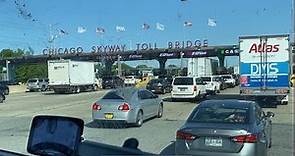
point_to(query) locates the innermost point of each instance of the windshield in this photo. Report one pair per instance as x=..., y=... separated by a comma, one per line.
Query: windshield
x=216, y=79
x=220, y=115
x=138, y=68
x=32, y=81
x=183, y=81
x=156, y=81
x=207, y=79
x=227, y=77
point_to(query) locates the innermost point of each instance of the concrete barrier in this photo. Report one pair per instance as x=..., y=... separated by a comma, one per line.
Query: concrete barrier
x=17, y=89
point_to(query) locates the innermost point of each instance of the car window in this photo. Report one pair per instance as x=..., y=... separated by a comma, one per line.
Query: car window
x=32, y=81
x=141, y=94
x=220, y=115
x=183, y=81
x=258, y=114
x=148, y=94
x=199, y=81
x=227, y=77
x=216, y=78
x=112, y=95
x=207, y=79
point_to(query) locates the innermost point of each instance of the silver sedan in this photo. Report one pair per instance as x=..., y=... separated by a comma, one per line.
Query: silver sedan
x=225, y=128
x=127, y=105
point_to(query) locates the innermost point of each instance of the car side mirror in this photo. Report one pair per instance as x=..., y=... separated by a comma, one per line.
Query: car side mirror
x=270, y=114
x=155, y=96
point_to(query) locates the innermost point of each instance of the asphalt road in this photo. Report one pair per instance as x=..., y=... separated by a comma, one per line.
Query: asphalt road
x=156, y=135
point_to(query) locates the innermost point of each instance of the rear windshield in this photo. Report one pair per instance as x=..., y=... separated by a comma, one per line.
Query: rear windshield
x=112, y=95
x=30, y=81
x=183, y=81
x=220, y=115
x=216, y=79
x=226, y=77
x=107, y=78
x=156, y=81
x=206, y=78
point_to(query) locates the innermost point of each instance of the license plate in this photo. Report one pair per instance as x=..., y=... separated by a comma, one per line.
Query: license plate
x=182, y=89
x=216, y=142
x=109, y=115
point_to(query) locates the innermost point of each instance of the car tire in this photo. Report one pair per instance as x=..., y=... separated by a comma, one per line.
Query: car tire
x=173, y=100
x=139, y=119
x=6, y=91
x=2, y=98
x=78, y=90
x=43, y=88
x=160, y=111
x=270, y=143
x=95, y=88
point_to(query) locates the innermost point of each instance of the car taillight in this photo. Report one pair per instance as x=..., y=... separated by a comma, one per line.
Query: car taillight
x=251, y=138
x=124, y=107
x=185, y=136
x=195, y=88
x=96, y=106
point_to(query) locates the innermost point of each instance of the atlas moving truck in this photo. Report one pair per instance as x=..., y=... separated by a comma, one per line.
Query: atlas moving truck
x=71, y=76
x=265, y=68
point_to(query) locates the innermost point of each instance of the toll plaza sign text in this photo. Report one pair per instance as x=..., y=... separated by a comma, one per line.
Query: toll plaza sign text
x=122, y=48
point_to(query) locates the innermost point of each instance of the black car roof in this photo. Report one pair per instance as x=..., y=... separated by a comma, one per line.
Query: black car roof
x=229, y=103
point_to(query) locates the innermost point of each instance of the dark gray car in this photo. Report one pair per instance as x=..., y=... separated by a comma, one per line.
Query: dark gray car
x=225, y=128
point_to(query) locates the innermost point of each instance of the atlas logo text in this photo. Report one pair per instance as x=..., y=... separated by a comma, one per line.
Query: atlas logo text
x=261, y=48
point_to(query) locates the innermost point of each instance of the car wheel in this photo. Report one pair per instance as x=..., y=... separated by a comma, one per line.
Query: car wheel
x=139, y=119
x=6, y=91
x=95, y=88
x=43, y=88
x=160, y=111
x=78, y=90
x=270, y=143
x=215, y=91
x=2, y=98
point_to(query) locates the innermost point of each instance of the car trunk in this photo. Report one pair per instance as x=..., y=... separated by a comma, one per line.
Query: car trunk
x=184, y=89
x=110, y=105
x=215, y=137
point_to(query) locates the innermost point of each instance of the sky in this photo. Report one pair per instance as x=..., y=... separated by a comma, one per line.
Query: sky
x=233, y=18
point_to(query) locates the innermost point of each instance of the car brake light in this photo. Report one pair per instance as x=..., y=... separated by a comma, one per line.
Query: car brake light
x=124, y=107
x=185, y=136
x=195, y=88
x=96, y=106
x=251, y=138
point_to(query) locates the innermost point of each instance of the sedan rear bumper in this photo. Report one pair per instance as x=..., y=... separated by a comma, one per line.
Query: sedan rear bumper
x=128, y=117
x=248, y=149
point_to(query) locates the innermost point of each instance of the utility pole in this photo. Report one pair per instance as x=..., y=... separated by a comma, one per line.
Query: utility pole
x=7, y=70
x=119, y=66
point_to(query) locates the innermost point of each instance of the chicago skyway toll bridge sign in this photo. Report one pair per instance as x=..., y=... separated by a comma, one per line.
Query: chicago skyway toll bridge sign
x=143, y=51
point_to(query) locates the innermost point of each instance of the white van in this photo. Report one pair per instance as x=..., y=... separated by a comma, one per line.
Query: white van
x=188, y=88
x=213, y=85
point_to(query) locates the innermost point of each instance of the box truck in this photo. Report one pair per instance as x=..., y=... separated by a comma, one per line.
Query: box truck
x=71, y=76
x=265, y=67
x=201, y=67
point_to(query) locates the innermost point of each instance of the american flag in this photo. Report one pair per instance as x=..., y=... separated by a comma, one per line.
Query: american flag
x=188, y=24
x=100, y=30
x=145, y=26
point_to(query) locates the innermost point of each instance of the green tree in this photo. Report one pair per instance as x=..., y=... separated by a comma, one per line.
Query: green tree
x=25, y=71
